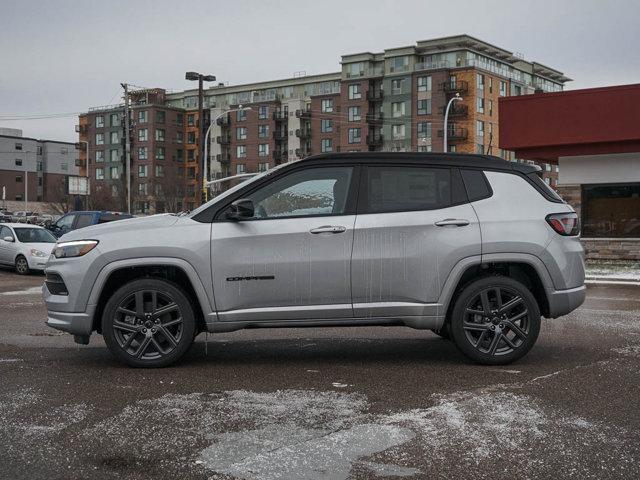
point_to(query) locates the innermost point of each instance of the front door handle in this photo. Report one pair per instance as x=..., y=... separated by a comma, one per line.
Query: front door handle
x=328, y=229
x=452, y=222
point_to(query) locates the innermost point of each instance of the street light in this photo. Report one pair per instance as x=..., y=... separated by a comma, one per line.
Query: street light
x=200, y=78
x=205, y=176
x=446, y=120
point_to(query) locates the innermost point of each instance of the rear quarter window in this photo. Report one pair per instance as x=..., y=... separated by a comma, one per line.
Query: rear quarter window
x=546, y=191
x=476, y=184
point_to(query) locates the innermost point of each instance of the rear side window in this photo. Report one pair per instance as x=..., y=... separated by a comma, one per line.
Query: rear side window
x=400, y=188
x=476, y=184
x=84, y=220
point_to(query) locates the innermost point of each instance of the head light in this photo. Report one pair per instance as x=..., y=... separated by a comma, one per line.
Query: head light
x=37, y=253
x=76, y=248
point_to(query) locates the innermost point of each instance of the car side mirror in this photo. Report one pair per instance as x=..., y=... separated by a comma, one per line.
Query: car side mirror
x=8, y=239
x=240, y=210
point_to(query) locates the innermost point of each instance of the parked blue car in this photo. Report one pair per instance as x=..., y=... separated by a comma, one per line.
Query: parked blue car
x=80, y=219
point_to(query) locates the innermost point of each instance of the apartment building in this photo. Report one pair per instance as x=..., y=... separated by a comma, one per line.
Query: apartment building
x=393, y=100
x=33, y=169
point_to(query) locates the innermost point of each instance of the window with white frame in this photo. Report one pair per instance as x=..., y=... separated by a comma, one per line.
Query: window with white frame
x=142, y=189
x=355, y=91
x=326, y=145
x=263, y=112
x=424, y=84
x=115, y=119
x=479, y=128
x=480, y=81
x=100, y=156
x=263, y=149
x=424, y=129
x=241, y=151
x=159, y=171
x=263, y=166
x=241, y=133
x=142, y=135
x=398, y=132
x=99, y=173
x=355, y=135
x=114, y=138
x=159, y=153
x=114, y=155
x=326, y=105
x=326, y=125
x=241, y=115
x=99, y=121
x=142, y=116
x=99, y=138
x=480, y=105
x=241, y=168
x=142, y=153
x=355, y=114
x=114, y=173
x=263, y=131
x=142, y=171
x=503, y=88
x=424, y=148
x=398, y=109
x=159, y=135
x=397, y=86
x=424, y=106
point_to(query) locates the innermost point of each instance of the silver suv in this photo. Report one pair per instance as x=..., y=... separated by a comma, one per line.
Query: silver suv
x=472, y=247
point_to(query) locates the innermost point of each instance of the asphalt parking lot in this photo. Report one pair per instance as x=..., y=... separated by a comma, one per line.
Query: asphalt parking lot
x=323, y=403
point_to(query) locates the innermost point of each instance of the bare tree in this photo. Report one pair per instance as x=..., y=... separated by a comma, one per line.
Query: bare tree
x=61, y=201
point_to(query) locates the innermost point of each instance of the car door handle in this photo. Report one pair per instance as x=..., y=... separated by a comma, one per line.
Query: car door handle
x=452, y=222
x=328, y=229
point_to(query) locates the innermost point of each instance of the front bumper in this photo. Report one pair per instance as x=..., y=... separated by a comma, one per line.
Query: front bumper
x=75, y=323
x=562, y=302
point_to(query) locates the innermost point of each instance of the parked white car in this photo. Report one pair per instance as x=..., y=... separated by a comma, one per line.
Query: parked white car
x=26, y=247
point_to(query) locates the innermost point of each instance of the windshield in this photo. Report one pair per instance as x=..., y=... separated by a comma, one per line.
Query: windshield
x=34, y=235
x=235, y=188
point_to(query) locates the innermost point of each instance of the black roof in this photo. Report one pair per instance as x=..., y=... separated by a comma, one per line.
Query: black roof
x=430, y=158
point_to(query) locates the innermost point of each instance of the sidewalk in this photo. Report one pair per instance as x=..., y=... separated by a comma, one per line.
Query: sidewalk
x=623, y=273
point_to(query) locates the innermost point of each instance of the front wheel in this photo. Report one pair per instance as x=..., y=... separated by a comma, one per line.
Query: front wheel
x=495, y=321
x=148, y=323
x=22, y=266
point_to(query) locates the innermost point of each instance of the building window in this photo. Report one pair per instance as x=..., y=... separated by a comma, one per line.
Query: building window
x=424, y=107
x=424, y=84
x=100, y=156
x=179, y=137
x=99, y=173
x=241, y=151
x=99, y=121
x=114, y=138
x=115, y=173
x=398, y=109
x=355, y=93
x=191, y=120
x=180, y=119
x=18, y=162
x=503, y=88
x=263, y=112
x=480, y=81
x=424, y=148
x=99, y=139
x=517, y=90
x=19, y=179
x=159, y=135
x=355, y=135
x=142, y=171
x=479, y=128
x=159, y=171
x=191, y=138
x=326, y=125
x=113, y=156
x=142, y=116
x=191, y=173
x=18, y=145
x=263, y=167
x=191, y=155
x=114, y=119
x=479, y=148
x=142, y=153
x=326, y=145
x=397, y=86
x=160, y=116
x=240, y=168
x=142, y=189
x=263, y=150
x=399, y=64
x=159, y=153
x=326, y=105
x=142, y=135
x=241, y=115
x=355, y=114
x=241, y=133
x=490, y=107
x=424, y=129
x=490, y=85
x=39, y=150
x=179, y=155
x=398, y=132
x=480, y=105
x=263, y=131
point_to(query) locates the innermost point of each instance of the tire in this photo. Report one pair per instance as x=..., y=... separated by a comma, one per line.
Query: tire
x=443, y=332
x=494, y=329
x=148, y=323
x=22, y=266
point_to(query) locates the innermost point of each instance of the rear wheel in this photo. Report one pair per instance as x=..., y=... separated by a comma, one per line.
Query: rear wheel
x=495, y=321
x=22, y=266
x=148, y=323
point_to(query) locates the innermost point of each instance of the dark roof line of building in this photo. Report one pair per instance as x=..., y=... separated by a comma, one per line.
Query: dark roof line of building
x=41, y=140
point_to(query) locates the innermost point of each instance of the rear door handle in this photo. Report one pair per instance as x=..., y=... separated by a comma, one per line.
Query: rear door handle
x=452, y=222
x=328, y=229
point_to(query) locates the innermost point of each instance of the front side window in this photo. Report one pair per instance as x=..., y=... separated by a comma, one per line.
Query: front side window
x=33, y=235
x=397, y=189
x=314, y=191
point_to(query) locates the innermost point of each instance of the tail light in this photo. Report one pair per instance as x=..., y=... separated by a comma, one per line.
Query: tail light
x=566, y=224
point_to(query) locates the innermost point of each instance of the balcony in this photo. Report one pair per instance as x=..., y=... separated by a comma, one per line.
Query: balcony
x=224, y=140
x=374, y=118
x=279, y=156
x=303, y=133
x=223, y=158
x=280, y=116
x=374, y=95
x=279, y=136
x=454, y=133
x=374, y=139
x=456, y=111
x=223, y=121
x=306, y=113
x=459, y=86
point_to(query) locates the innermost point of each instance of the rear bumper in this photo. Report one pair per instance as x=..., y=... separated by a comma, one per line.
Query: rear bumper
x=562, y=302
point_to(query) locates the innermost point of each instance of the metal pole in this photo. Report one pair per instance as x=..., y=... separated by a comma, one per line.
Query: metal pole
x=446, y=121
x=26, y=183
x=127, y=146
x=201, y=143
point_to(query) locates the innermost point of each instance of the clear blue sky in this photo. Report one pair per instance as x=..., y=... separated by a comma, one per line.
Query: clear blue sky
x=64, y=56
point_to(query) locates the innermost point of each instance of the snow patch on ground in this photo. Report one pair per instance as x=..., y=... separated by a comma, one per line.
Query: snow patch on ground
x=613, y=271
